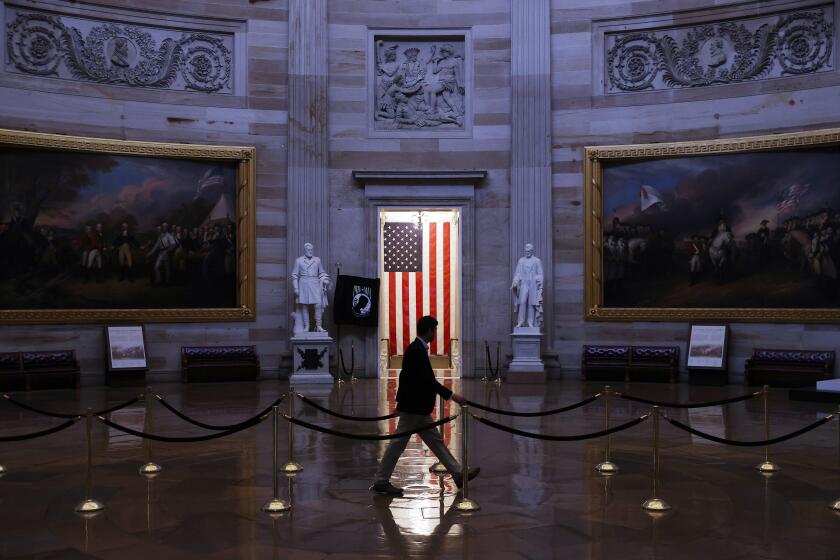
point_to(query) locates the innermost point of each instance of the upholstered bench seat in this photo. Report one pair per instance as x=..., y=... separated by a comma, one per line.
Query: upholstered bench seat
x=50, y=369
x=605, y=363
x=11, y=375
x=789, y=368
x=653, y=363
x=219, y=363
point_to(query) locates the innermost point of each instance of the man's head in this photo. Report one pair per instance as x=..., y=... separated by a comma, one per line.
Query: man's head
x=411, y=53
x=308, y=249
x=529, y=250
x=125, y=226
x=427, y=328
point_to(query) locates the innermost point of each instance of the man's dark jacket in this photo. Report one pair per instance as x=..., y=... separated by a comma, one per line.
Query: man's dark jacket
x=418, y=386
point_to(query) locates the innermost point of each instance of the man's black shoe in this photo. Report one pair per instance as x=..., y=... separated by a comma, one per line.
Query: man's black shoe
x=385, y=487
x=458, y=478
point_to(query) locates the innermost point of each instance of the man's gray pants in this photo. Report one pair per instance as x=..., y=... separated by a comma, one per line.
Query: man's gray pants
x=431, y=437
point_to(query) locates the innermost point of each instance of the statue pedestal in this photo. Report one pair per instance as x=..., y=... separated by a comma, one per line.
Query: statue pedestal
x=527, y=365
x=311, y=358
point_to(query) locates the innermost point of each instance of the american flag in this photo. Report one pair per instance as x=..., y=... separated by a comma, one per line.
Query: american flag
x=791, y=196
x=419, y=278
x=213, y=177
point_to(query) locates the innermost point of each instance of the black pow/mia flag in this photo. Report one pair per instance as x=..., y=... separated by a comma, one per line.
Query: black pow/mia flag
x=356, y=301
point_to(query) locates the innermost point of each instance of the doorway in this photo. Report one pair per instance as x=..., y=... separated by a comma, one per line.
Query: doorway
x=420, y=272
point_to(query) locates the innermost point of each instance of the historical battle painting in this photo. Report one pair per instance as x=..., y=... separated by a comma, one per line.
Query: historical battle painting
x=107, y=231
x=735, y=230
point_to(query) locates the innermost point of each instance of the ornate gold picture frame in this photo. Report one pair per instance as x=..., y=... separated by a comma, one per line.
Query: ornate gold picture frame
x=99, y=230
x=744, y=229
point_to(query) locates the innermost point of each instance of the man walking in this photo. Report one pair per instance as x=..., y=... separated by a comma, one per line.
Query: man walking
x=415, y=402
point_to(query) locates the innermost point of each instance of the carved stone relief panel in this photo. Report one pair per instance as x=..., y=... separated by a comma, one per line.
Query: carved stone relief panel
x=91, y=50
x=724, y=52
x=420, y=84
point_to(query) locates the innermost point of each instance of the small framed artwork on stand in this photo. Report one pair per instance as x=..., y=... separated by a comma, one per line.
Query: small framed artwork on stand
x=125, y=348
x=707, y=356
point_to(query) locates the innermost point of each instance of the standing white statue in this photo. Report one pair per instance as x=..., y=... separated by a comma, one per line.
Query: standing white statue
x=527, y=290
x=310, y=282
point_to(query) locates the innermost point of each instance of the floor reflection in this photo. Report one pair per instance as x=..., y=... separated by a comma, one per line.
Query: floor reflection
x=539, y=499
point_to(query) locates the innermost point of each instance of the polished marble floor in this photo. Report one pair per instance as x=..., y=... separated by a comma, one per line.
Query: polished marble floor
x=538, y=499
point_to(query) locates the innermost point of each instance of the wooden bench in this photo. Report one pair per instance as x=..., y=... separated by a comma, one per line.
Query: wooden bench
x=653, y=363
x=219, y=363
x=630, y=363
x=11, y=375
x=789, y=368
x=604, y=363
x=52, y=369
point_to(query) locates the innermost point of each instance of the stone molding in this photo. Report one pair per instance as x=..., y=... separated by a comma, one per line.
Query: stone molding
x=75, y=47
x=441, y=189
x=420, y=83
x=782, y=43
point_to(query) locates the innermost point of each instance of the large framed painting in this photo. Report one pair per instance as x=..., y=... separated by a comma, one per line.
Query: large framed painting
x=95, y=230
x=746, y=229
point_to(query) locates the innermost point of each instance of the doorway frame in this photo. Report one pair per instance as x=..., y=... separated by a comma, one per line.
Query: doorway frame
x=455, y=358
x=398, y=190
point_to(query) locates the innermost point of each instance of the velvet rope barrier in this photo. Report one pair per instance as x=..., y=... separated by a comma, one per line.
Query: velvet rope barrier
x=33, y=435
x=43, y=412
x=187, y=439
x=584, y=402
x=206, y=426
x=704, y=435
x=367, y=437
x=688, y=405
x=314, y=404
x=576, y=437
x=352, y=361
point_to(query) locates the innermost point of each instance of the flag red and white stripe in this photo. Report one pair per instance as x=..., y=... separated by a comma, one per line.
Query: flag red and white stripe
x=407, y=296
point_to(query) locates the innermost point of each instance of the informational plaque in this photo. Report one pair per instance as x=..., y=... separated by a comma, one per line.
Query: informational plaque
x=126, y=347
x=707, y=347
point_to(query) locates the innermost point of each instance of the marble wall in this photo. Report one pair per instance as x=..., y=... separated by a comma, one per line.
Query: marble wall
x=251, y=110
x=585, y=111
x=354, y=148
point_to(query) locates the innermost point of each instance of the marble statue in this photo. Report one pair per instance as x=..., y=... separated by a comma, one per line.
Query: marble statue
x=527, y=290
x=310, y=282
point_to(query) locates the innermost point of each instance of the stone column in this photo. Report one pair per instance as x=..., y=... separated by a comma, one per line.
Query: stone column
x=530, y=197
x=309, y=200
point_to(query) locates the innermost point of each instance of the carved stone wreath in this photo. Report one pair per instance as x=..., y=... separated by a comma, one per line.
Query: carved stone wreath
x=118, y=54
x=33, y=44
x=723, y=53
x=205, y=62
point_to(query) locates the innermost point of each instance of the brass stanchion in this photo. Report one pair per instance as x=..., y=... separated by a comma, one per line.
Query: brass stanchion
x=276, y=505
x=498, y=363
x=149, y=469
x=836, y=504
x=767, y=466
x=353, y=377
x=438, y=468
x=2, y=471
x=486, y=377
x=607, y=467
x=89, y=506
x=291, y=467
x=465, y=504
x=655, y=504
